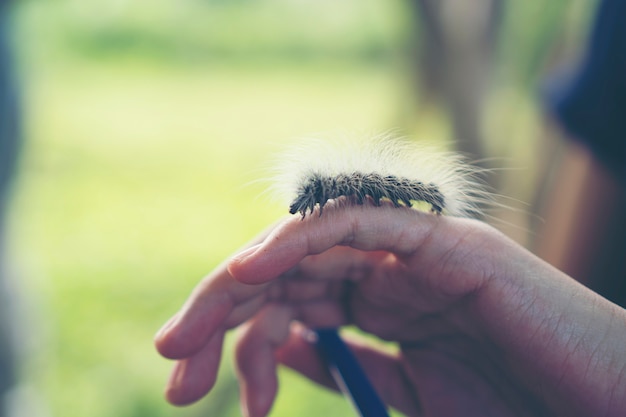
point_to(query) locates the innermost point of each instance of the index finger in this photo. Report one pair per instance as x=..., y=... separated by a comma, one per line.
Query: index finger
x=399, y=230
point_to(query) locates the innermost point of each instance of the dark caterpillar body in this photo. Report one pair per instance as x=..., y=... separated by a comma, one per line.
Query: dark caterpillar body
x=318, y=189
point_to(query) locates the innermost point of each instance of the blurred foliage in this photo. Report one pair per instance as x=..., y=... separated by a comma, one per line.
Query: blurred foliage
x=539, y=36
x=132, y=188
x=145, y=120
x=193, y=31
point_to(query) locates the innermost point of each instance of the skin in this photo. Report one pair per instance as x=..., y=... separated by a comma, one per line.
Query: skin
x=484, y=328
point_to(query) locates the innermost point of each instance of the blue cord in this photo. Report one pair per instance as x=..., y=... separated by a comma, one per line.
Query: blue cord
x=348, y=374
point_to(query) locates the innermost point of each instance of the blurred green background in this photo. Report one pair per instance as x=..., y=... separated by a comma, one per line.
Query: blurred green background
x=146, y=126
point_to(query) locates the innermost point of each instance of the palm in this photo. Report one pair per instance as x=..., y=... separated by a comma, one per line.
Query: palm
x=454, y=375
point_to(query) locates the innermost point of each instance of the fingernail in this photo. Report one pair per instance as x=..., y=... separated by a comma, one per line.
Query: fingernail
x=172, y=390
x=166, y=326
x=243, y=401
x=305, y=333
x=244, y=410
x=241, y=256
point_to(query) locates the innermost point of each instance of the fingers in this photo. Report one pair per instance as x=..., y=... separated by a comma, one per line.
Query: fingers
x=397, y=230
x=299, y=353
x=452, y=257
x=219, y=300
x=212, y=303
x=193, y=377
x=241, y=288
x=385, y=370
x=255, y=361
x=215, y=299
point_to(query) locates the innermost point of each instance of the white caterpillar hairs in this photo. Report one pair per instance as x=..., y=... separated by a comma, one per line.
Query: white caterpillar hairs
x=376, y=169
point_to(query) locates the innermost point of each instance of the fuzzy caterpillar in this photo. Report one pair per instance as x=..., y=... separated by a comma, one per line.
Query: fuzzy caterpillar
x=377, y=169
x=371, y=171
x=317, y=190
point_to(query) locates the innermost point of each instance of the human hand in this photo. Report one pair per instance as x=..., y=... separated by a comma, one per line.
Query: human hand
x=484, y=327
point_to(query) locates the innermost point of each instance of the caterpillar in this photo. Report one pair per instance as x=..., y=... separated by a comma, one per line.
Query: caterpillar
x=371, y=170
x=318, y=189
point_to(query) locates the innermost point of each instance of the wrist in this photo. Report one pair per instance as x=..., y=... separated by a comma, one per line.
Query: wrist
x=564, y=340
